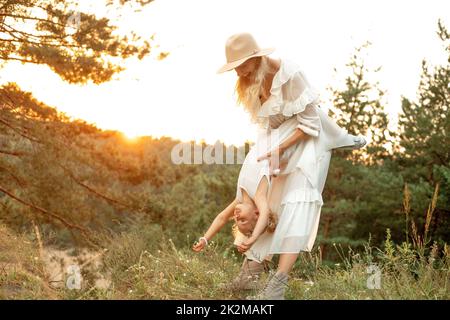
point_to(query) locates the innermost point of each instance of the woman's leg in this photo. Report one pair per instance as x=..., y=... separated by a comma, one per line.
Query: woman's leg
x=286, y=262
x=277, y=284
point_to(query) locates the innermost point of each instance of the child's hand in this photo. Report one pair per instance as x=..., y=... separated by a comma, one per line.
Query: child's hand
x=199, y=246
x=244, y=246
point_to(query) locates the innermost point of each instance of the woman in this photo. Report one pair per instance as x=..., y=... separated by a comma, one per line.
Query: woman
x=278, y=97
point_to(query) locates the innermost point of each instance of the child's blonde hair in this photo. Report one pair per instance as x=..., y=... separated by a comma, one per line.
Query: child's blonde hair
x=271, y=225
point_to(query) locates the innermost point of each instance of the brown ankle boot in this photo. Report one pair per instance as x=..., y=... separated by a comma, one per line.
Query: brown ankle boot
x=274, y=289
x=248, y=278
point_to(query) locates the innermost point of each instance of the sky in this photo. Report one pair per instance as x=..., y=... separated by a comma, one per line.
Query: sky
x=183, y=97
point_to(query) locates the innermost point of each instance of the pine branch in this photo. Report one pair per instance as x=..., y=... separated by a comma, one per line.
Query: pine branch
x=21, y=183
x=44, y=211
x=91, y=189
x=12, y=32
x=43, y=44
x=12, y=153
x=19, y=59
x=18, y=131
x=14, y=16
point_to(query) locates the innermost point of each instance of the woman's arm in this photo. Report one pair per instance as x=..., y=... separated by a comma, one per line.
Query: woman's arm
x=275, y=155
x=297, y=136
x=218, y=223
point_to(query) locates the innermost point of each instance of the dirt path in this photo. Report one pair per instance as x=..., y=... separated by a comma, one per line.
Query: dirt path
x=67, y=269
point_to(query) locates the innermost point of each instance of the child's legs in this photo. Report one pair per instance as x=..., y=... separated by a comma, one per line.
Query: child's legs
x=286, y=262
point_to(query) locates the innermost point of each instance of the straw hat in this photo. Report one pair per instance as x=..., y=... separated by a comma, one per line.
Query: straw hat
x=239, y=48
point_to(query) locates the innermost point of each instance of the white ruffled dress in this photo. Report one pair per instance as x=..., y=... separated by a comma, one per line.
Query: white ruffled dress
x=296, y=194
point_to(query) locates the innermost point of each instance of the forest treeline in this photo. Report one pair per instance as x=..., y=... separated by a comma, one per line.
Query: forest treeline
x=80, y=184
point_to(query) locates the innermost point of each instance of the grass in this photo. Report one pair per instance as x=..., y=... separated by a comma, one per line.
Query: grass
x=22, y=274
x=140, y=271
x=174, y=273
x=142, y=264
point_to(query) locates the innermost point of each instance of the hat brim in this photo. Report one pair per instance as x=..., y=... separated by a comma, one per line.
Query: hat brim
x=237, y=63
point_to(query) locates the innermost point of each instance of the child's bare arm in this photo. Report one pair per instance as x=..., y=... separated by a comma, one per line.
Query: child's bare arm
x=220, y=220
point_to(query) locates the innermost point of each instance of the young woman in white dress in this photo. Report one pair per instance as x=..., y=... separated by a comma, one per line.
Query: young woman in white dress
x=295, y=144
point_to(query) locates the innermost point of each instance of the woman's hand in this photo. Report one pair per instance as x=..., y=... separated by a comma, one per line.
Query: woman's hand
x=274, y=160
x=244, y=246
x=199, y=245
x=275, y=155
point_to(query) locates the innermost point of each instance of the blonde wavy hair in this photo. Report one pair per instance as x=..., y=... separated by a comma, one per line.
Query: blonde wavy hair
x=271, y=225
x=249, y=89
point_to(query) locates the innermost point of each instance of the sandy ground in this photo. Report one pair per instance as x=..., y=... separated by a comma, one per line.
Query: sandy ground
x=63, y=268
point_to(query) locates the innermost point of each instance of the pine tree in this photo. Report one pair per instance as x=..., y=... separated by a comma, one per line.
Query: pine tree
x=359, y=108
x=425, y=141
x=425, y=124
x=78, y=46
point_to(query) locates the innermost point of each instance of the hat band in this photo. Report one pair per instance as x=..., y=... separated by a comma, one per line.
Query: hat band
x=254, y=51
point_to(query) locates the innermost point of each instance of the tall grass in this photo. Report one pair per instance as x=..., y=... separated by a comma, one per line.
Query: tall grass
x=413, y=269
x=178, y=273
x=142, y=263
x=22, y=274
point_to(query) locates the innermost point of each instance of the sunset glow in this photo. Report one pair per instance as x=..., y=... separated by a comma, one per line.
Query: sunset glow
x=183, y=97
